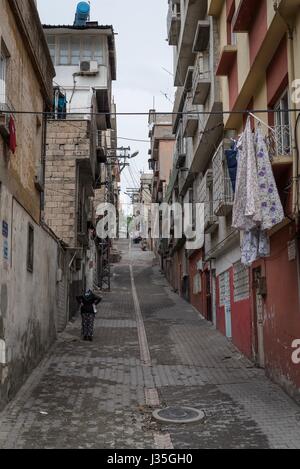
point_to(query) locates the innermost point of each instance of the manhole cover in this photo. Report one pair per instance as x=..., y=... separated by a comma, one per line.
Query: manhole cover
x=178, y=415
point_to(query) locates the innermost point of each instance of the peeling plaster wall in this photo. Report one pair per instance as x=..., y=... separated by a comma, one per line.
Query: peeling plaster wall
x=27, y=299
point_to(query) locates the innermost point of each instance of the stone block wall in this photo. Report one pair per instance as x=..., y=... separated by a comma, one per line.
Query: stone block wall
x=68, y=144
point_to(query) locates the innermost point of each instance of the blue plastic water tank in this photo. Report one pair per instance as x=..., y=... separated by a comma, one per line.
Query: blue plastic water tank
x=83, y=8
x=82, y=13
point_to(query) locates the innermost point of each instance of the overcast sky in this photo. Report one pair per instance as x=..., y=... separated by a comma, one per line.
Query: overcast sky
x=142, y=55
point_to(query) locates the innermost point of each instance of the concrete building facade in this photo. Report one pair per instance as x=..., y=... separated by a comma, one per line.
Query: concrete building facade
x=161, y=163
x=230, y=56
x=80, y=136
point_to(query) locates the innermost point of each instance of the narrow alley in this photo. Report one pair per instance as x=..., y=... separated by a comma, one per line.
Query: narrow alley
x=151, y=349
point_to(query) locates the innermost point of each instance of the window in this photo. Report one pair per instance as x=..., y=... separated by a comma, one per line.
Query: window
x=87, y=44
x=98, y=50
x=52, y=47
x=64, y=51
x=71, y=50
x=2, y=79
x=282, y=125
x=30, y=248
x=75, y=51
x=4, y=57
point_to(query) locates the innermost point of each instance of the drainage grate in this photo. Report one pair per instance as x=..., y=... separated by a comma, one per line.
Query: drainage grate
x=178, y=415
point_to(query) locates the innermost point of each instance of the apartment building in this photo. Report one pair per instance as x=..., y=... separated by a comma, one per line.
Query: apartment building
x=29, y=250
x=160, y=162
x=198, y=127
x=257, y=67
x=78, y=137
x=231, y=56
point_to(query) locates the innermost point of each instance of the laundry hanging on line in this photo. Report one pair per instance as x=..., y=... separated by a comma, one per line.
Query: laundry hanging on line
x=231, y=158
x=257, y=205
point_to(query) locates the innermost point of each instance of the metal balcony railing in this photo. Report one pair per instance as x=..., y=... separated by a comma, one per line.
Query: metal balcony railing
x=190, y=117
x=204, y=196
x=201, y=80
x=279, y=141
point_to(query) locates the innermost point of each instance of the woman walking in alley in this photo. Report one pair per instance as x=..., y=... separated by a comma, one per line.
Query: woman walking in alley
x=88, y=310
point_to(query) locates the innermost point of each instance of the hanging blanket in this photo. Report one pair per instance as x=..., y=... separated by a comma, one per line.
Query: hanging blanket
x=247, y=204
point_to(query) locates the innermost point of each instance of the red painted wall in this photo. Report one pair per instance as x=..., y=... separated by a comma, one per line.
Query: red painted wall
x=282, y=310
x=241, y=322
x=258, y=29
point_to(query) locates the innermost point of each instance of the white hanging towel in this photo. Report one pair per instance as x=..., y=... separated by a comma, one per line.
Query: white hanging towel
x=247, y=204
x=271, y=206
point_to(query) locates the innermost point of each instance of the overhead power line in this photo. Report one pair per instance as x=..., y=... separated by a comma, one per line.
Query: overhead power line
x=199, y=113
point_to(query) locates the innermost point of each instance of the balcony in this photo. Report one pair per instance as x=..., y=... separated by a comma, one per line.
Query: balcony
x=201, y=81
x=227, y=59
x=244, y=16
x=189, y=118
x=192, y=12
x=223, y=192
x=179, y=157
x=201, y=40
x=215, y=7
x=205, y=193
x=173, y=23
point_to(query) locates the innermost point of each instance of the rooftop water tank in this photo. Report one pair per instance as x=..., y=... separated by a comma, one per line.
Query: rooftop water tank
x=82, y=14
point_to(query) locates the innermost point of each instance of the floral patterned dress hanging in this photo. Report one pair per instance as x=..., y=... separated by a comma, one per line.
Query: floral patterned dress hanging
x=271, y=206
x=247, y=204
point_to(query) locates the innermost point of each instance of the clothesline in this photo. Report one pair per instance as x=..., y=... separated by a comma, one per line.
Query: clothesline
x=158, y=113
x=262, y=122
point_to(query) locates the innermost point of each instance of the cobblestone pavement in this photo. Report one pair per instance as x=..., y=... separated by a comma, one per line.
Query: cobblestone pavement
x=151, y=349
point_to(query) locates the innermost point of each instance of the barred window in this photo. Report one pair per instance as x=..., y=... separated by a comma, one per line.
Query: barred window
x=224, y=288
x=241, y=284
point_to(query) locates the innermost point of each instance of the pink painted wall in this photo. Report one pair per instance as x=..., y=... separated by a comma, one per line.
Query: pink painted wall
x=166, y=149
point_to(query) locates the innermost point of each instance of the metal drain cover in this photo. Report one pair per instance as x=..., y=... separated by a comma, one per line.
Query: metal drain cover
x=178, y=415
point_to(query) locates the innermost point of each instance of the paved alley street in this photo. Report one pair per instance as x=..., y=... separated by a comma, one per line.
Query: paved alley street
x=150, y=350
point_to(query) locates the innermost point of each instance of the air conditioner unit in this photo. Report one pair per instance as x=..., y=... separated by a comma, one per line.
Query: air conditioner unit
x=89, y=67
